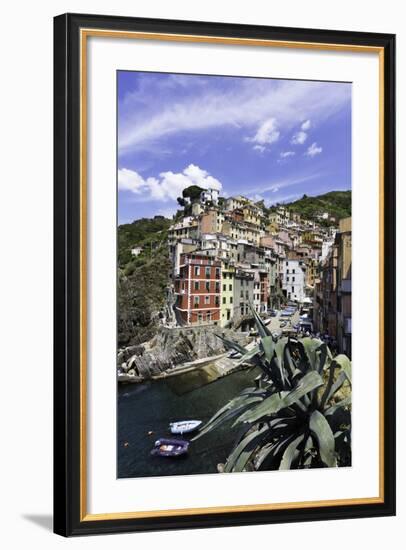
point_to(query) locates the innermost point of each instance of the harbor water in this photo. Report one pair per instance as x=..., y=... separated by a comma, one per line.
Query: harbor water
x=145, y=411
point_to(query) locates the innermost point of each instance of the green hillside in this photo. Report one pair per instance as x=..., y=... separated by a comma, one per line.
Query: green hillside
x=142, y=280
x=148, y=233
x=336, y=203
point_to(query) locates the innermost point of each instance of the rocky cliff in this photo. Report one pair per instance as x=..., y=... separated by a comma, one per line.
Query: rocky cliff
x=171, y=347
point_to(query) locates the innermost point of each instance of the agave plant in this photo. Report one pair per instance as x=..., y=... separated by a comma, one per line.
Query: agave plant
x=298, y=415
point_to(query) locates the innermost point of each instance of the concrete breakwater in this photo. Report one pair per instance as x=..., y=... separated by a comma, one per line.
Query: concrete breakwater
x=176, y=351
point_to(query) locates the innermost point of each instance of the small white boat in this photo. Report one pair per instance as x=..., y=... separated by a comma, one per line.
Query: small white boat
x=184, y=426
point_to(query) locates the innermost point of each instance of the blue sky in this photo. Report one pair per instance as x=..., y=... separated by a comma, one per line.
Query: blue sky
x=263, y=138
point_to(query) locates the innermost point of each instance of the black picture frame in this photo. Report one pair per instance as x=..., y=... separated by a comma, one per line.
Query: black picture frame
x=67, y=350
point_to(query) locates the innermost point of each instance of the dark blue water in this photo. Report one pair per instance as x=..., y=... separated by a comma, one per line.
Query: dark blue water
x=150, y=406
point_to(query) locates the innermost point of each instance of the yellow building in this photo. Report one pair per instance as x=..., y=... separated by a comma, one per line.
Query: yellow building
x=273, y=228
x=252, y=214
x=239, y=231
x=227, y=292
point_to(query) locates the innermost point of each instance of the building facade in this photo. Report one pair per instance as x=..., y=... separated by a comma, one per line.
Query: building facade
x=227, y=293
x=198, y=290
x=294, y=279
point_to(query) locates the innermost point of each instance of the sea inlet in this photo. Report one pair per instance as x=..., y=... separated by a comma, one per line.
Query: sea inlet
x=145, y=410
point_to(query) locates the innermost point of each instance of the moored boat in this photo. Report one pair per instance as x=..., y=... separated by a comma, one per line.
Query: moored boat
x=184, y=426
x=170, y=447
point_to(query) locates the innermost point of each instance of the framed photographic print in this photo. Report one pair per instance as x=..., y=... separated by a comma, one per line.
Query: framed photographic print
x=224, y=274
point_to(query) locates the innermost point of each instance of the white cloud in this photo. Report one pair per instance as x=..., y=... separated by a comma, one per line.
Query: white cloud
x=259, y=148
x=313, y=150
x=145, y=121
x=169, y=185
x=299, y=138
x=266, y=134
x=128, y=180
x=306, y=125
x=286, y=154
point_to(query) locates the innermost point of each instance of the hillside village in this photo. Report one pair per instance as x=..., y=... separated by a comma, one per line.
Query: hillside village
x=228, y=254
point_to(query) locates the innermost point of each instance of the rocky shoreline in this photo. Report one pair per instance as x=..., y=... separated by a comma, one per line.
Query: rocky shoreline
x=175, y=350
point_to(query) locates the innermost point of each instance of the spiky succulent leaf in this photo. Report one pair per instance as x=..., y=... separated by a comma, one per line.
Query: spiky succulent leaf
x=341, y=404
x=230, y=344
x=229, y=411
x=321, y=430
x=242, y=452
x=262, y=328
x=282, y=400
x=291, y=453
x=249, y=355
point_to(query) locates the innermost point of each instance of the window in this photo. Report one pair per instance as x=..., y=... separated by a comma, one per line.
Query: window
x=217, y=301
x=231, y=299
x=246, y=295
x=242, y=294
x=287, y=271
x=293, y=289
x=217, y=273
x=196, y=301
x=208, y=316
x=208, y=272
x=293, y=279
x=207, y=300
x=197, y=270
x=224, y=299
x=293, y=271
x=287, y=263
x=197, y=285
x=200, y=317
x=207, y=286
x=230, y=287
x=217, y=287
x=224, y=288
x=287, y=279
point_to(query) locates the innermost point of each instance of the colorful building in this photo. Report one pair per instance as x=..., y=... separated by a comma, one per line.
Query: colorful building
x=227, y=293
x=198, y=290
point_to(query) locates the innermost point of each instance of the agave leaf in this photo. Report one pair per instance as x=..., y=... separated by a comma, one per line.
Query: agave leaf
x=247, y=391
x=248, y=355
x=321, y=430
x=242, y=452
x=263, y=453
x=268, y=406
x=345, y=364
x=307, y=452
x=329, y=386
x=288, y=360
x=280, y=346
x=341, y=378
x=268, y=347
x=230, y=344
x=325, y=357
x=290, y=453
x=283, y=399
x=333, y=408
x=262, y=328
x=311, y=345
x=230, y=410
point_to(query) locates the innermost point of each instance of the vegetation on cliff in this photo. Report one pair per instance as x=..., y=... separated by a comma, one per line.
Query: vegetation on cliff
x=142, y=280
x=336, y=203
